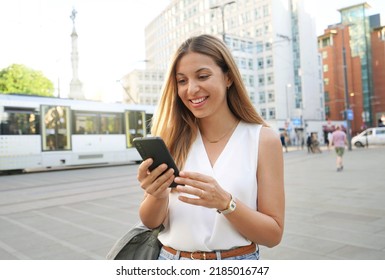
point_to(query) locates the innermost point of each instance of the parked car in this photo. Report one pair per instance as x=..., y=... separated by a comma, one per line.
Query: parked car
x=370, y=136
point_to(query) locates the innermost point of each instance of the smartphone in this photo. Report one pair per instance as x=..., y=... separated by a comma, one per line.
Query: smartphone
x=155, y=148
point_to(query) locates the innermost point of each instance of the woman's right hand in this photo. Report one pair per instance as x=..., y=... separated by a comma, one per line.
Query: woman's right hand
x=152, y=182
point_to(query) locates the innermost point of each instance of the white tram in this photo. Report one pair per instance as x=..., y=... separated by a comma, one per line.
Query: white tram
x=43, y=132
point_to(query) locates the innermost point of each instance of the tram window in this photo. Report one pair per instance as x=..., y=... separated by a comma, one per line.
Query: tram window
x=135, y=125
x=19, y=121
x=85, y=122
x=97, y=123
x=111, y=123
x=148, y=123
x=55, y=132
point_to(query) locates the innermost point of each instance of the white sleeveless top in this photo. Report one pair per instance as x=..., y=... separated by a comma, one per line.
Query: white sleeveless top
x=196, y=228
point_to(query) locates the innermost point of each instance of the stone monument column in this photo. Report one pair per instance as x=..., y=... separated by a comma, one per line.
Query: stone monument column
x=76, y=87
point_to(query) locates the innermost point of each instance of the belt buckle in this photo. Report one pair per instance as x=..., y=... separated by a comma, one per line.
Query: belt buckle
x=192, y=256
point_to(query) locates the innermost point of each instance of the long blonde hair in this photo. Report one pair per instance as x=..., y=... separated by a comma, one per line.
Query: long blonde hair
x=174, y=122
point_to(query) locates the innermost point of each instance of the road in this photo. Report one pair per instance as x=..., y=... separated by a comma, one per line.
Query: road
x=79, y=214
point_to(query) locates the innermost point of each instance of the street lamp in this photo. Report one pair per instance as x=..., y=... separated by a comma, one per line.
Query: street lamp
x=346, y=89
x=222, y=7
x=287, y=101
x=127, y=91
x=347, y=105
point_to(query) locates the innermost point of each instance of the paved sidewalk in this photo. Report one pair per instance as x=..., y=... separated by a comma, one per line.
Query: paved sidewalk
x=79, y=214
x=333, y=215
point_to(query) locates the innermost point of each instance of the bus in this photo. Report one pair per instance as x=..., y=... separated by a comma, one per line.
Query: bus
x=45, y=132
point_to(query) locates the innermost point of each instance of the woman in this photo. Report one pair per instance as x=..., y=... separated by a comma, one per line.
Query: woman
x=231, y=162
x=339, y=140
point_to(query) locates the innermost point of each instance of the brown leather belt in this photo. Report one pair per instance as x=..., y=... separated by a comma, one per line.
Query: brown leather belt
x=239, y=251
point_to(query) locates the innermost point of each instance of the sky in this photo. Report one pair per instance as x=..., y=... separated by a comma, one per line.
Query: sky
x=36, y=33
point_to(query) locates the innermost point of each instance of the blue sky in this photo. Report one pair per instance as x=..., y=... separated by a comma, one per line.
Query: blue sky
x=36, y=33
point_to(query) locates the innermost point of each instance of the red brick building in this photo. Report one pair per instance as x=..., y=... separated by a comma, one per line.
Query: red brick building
x=332, y=44
x=353, y=54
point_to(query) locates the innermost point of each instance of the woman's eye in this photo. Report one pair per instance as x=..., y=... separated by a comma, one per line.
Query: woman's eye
x=203, y=77
x=181, y=81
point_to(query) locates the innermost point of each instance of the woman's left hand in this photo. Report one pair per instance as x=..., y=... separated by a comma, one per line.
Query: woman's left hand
x=206, y=189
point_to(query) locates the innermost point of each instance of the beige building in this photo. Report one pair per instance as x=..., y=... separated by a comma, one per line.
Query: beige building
x=143, y=86
x=274, y=43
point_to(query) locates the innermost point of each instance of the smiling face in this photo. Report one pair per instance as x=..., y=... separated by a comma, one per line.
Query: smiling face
x=202, y=85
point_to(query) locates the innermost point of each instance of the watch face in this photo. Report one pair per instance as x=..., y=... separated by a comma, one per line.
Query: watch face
x=232, y=205
x=231, y=208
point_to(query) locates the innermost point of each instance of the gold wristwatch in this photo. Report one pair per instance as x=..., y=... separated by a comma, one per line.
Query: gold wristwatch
x=230, y=208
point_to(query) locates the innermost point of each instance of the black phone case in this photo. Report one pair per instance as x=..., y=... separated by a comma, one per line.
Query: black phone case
x=155, y=148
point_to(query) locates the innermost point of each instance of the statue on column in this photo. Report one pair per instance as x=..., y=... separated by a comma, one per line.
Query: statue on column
x=76, y=91
x=73, y=15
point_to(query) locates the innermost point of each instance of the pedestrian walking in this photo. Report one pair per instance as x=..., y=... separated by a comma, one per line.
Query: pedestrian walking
x=339, y=141
x=309, y=144
x=283, y=141
x=315, y=145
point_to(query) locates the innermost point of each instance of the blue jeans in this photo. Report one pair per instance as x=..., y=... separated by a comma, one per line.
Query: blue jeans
x=164, y=255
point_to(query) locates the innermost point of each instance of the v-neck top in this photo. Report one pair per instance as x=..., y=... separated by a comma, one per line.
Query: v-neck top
x=196, y=228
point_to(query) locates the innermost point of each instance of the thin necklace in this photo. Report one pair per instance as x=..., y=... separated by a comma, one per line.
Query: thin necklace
x=223, y=136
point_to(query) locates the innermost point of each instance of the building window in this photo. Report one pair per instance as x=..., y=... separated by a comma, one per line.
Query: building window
x=250, y=47
x=263, y=113
x=326, y=68
x=266, y=10
x=271, y=96
x=259, y=47
x=251, y=81
x=327, y=111
x=243, y=45
x=325, y=42
x=262, y=97
x=243, y=63
x=251, y=64
x=324, y=54
x=260, y=63
x=261, y=80
x=326, y=81
x=271, y=113
x=236, y=43
x=252, y=97
x=267, y=29
x=382, y=34
x=257, y=13
x=327, y=96
x=269, y=61
x=244, y=79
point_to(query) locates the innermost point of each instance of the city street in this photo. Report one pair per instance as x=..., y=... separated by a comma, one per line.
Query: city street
x=80, y=213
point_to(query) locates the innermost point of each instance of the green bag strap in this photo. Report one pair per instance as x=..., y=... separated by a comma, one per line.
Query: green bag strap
x=156, y=231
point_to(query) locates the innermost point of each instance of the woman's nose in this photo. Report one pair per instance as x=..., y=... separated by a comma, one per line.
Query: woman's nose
x=193, y=87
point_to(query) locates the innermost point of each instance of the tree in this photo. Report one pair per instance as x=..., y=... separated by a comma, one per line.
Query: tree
x=18, y=78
